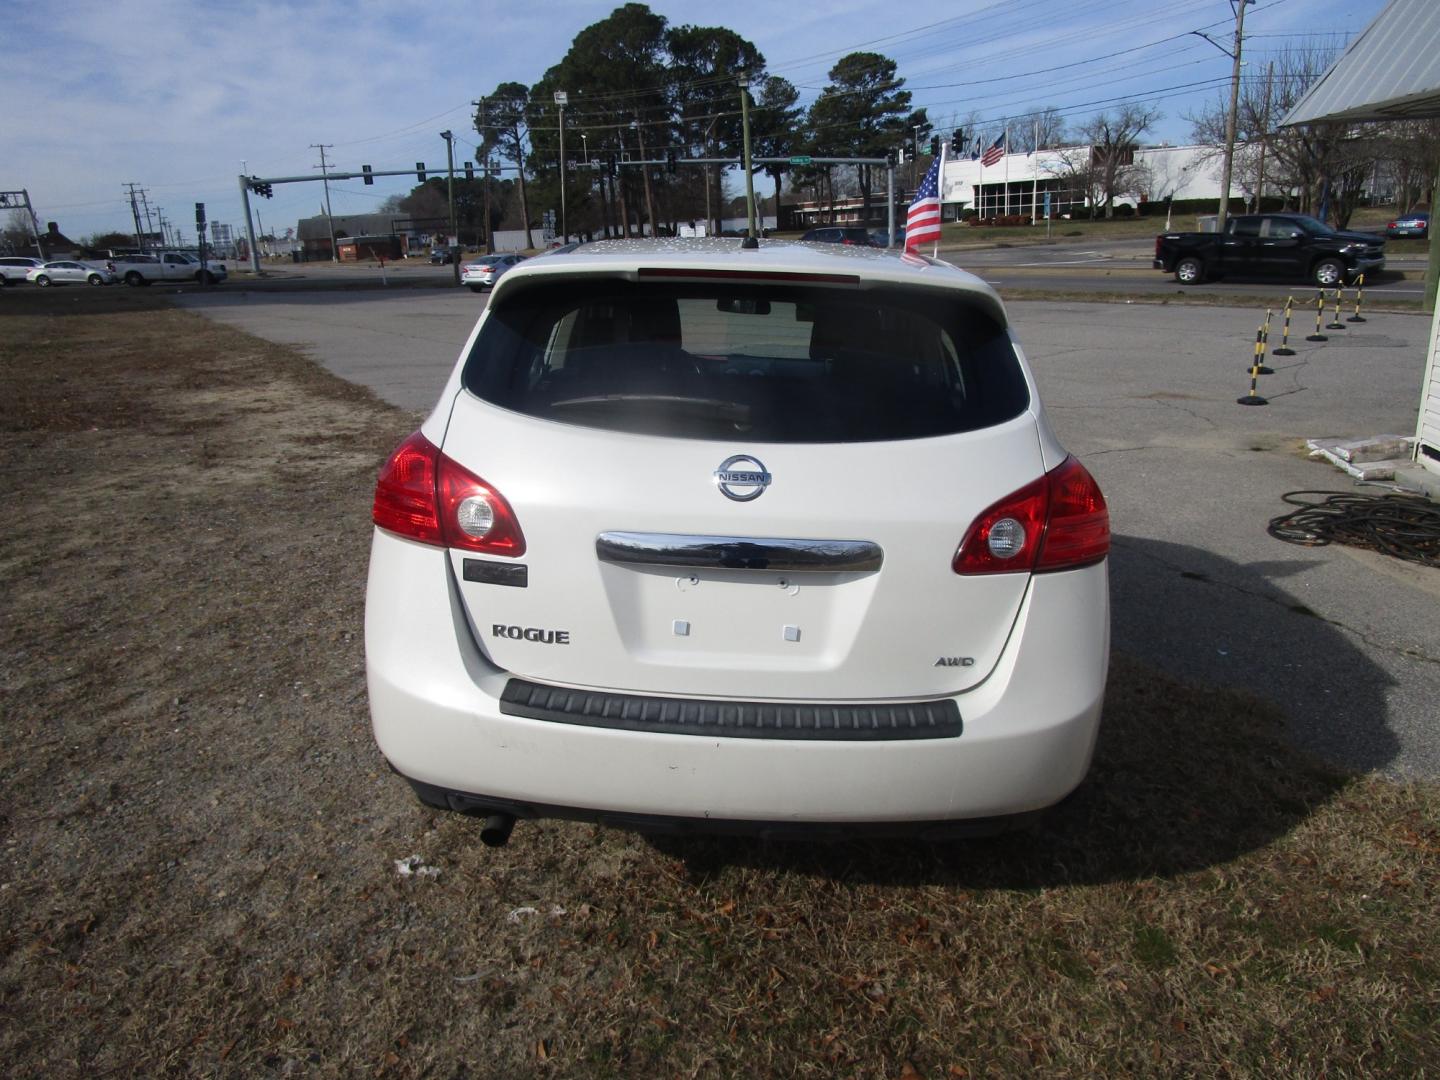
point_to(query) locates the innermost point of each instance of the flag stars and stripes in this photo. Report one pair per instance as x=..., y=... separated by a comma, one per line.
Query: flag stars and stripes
x=995, y=152
x=922, y=223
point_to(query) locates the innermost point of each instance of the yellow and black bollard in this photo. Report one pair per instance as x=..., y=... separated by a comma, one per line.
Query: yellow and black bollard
x=1335, y=323
x=1262, y=342
x=1284, y=347
x=1319, y=314
x=1256, y=368
x=1359, y=292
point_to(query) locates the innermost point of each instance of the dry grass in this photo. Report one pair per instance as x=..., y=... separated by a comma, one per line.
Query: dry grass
x=200, y=837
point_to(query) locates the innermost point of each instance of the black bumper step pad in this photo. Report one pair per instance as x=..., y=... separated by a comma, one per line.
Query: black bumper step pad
x=733, y=719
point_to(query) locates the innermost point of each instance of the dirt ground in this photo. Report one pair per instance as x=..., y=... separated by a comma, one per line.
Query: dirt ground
x=201, y=841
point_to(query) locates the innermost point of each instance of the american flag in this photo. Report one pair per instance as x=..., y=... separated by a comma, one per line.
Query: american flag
x=922, y=223
x=995, y=152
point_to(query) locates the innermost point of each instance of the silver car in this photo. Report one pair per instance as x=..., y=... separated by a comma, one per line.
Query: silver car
x=485, y=272
x=67, y=272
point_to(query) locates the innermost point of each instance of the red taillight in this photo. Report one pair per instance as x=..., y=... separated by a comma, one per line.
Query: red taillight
x=1058, y=522
x=423, y=495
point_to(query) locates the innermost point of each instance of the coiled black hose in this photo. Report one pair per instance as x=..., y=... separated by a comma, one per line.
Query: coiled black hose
x=1405, y=526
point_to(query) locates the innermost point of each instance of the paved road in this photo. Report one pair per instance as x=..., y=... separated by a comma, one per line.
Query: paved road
x=1125, y=266
x=1115, y=266
x=1346, y=642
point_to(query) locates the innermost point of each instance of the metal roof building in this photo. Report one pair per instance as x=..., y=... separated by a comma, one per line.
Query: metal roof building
x=1392, y=72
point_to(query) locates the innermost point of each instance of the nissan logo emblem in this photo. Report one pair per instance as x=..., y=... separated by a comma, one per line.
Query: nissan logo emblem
x=742, y=478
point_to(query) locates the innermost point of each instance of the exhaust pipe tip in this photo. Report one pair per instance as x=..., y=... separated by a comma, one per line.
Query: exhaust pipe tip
x=496, y=830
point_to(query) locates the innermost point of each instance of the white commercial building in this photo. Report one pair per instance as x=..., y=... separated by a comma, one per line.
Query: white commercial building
x=1017, y=184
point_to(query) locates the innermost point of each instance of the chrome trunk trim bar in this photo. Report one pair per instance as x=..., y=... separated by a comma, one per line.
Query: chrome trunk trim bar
x=737, y=552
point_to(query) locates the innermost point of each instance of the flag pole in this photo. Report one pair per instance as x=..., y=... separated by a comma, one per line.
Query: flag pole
x=940, y=197
x=1007, y=169
x=1035, y=179
x=980, y=184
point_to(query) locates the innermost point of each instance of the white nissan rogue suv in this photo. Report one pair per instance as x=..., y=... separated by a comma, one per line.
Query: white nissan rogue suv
x=748, y=540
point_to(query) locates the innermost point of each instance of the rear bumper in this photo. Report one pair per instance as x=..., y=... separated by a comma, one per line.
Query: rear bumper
x=1029, y=728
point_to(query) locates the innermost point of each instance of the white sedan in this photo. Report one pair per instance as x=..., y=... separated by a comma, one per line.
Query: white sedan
x=66, y=272
x=753, y=540
x=483, y=273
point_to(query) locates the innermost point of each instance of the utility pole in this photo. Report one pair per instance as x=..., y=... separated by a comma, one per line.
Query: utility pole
x=324, y=168
x=561, y=100
x=644, y=175
x=751, y=239
x=1230, y=120
x=18, y=200
x=489, y=239
x=449, y=138
x=135, y=213
x=149, y=225
x=482, y=125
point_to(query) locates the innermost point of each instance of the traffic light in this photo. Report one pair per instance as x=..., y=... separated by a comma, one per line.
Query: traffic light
x=469, y=170
x=957, y=142
x=934, y=145
x=260, y=187
x=420, y=171
x=890, y=159
x=368, y=178
x=670, y=162
x=612, y=166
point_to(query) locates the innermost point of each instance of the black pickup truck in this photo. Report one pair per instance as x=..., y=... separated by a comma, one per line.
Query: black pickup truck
x=1271, y=245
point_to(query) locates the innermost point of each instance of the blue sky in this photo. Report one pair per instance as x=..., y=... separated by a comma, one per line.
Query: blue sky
x=176, y=95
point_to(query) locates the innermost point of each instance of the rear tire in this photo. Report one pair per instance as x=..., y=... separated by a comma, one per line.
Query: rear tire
x=1329, y=273
x=95, y=279
x=134, y=279
x=1190, y=271
x=476, y=288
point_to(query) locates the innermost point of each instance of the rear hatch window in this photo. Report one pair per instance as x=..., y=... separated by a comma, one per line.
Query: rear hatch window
x=769, y=363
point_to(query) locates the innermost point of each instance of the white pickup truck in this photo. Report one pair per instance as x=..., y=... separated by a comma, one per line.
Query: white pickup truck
x=167, y=266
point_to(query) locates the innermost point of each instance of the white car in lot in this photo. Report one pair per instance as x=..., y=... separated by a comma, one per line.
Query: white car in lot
x=758, y=541
x=14, y=268
x=69, y=272
x=485, y=271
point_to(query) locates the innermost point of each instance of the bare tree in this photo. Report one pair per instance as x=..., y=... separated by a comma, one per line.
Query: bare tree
x=1410, y=153
x=1037, y=130
x=1319, y=168
x=1074, y=166
x=1113, y=138
x=18, y=231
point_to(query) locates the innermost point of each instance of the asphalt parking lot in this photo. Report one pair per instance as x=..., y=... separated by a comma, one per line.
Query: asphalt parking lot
x=1347, y=642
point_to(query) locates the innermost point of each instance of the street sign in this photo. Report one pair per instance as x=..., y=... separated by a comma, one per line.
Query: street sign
x=562, y=98
x=801, y=159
